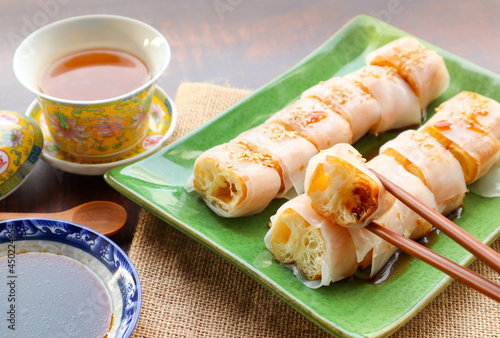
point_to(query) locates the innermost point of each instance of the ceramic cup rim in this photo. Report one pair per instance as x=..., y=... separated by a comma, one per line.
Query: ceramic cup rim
x=18, y=62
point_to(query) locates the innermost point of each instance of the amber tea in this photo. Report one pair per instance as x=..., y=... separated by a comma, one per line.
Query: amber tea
x=91, y=75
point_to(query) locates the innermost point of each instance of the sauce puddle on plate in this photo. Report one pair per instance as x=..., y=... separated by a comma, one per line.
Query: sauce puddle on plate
x=49, y=295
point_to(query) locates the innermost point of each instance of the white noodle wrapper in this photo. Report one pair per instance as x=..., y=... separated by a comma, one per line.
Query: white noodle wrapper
x=399, y=106
x=289, y=149
x=189, y=185
x=397, y=174
x=489, y=184
x=383, y=250
x=312, y=284
x=485, y=110
x=423, y=69
x=403, y=221
x=348, y=98
x=340, y=255
x=260, y=182
x=432, y=159
x=399, y=218
x=364, y=241
x=316, y=122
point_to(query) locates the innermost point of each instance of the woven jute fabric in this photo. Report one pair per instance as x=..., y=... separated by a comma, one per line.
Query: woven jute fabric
x=189, y=291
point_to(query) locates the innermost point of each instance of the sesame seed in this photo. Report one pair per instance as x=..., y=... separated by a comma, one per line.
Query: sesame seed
x=264, y=159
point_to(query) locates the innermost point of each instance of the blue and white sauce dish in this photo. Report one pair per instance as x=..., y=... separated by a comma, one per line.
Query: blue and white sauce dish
x=61, y=279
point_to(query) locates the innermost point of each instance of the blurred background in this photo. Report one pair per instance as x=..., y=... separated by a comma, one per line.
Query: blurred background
x=245, y=43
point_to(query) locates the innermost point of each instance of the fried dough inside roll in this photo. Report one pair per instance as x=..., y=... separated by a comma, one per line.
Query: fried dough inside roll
x=235, y=181
x=294, y=240
x=219, y=186
x=472, y=144
x=321, y=250
x=423, y=69
x=347, y=203
x=343, y=189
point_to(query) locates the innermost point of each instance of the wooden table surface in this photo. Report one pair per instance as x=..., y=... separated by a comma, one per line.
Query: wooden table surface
x=240, y=43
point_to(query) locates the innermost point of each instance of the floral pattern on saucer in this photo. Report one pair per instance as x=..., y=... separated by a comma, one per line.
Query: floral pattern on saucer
x=20, y=148
x=161, y=124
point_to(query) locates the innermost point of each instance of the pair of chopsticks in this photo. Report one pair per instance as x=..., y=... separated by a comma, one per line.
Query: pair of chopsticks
x=463, y=238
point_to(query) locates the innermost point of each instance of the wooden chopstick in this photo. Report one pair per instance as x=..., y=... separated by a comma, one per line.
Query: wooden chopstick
x=451, y=268
x=483, y=252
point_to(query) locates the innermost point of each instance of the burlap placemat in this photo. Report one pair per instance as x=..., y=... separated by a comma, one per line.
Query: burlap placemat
x=188, y=291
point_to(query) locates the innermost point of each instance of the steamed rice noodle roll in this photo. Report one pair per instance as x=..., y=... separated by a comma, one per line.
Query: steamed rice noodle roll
x=423, y=156
x=399, y=106
x=343, y=189
x=348, y=98
x=397, y=174
x=289, y=151
x=399, y=218
x=321, y=250
x=235, y=181
x=423, y=69
x=382, y=250
x=314, y=121
x=473, y=144
x=482, y=109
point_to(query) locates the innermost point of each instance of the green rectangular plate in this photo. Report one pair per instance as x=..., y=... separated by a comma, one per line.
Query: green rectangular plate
x=355, y=308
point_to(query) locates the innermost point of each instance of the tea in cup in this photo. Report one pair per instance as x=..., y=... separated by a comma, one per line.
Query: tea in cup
x=94, y=77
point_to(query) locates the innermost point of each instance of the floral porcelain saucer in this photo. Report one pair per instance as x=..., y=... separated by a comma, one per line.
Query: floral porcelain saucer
x=161, y=123
x=21, y=143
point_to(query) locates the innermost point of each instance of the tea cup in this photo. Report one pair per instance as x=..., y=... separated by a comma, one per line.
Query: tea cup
x=93, y=128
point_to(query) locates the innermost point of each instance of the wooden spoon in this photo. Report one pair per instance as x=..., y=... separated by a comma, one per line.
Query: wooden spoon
x=102, y=216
